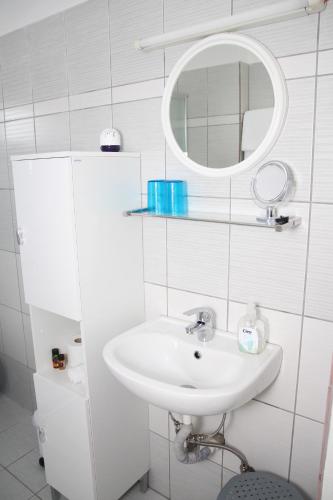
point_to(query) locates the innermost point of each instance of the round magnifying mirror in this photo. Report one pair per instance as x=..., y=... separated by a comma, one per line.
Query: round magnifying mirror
x=272, y=186
x=224, y=105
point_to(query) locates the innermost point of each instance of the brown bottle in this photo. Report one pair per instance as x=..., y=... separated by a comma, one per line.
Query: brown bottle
x=55, y=358
x=62, y=361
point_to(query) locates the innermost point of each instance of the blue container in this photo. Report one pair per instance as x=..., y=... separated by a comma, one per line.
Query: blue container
x=176, y=192
x=167, y=197
x=157, y=197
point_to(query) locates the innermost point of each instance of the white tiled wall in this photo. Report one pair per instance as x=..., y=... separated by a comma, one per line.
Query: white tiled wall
x=304, y=464
x=58, y=92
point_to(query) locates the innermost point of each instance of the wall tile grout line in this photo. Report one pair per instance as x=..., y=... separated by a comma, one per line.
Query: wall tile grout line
x=307, y=250
x=63, y=17
x=239, y=302
x=5, y=430
x=229, y=258
x=10, y=307
x=111, y=90
x=18, y=362
x=34, y=114
x=166, y=249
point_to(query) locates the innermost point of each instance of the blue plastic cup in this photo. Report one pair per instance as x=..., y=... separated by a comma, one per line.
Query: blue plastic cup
x=176, y=192
x=157, y=197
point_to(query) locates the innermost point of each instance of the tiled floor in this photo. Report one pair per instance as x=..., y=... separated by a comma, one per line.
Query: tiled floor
x=135, y=494
x=21, y=477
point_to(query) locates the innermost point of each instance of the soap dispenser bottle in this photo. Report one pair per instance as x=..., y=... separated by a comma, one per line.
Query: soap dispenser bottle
x=251, y=331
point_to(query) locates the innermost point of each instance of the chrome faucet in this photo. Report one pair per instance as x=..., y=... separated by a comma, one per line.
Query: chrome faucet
x=204, y=325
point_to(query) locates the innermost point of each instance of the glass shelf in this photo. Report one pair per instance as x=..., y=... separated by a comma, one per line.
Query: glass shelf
x=238, y=220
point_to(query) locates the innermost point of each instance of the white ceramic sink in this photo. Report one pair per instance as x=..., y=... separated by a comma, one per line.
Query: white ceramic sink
x=160, y=363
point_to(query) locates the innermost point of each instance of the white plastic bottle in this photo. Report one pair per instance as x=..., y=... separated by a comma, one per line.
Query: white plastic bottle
x=251, y=331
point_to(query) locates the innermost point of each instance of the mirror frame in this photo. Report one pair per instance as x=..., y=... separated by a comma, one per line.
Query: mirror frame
x=280, y=102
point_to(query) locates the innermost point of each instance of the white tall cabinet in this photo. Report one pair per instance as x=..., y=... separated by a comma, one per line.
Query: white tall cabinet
x=83, y=276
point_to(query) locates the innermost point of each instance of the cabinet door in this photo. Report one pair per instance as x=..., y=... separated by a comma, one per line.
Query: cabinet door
x=46, y=233
x=64, y=434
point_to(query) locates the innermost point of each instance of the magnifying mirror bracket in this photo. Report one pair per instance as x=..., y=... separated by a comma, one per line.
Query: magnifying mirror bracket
x=270, y=217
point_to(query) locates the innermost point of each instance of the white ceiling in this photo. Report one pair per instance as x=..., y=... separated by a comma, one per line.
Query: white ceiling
x=15, y=14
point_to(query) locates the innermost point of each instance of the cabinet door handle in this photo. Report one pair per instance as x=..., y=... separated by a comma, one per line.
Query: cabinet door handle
x=20, y=236
x=41, y=435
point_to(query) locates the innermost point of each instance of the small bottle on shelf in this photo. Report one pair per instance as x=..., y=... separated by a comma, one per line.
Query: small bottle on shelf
x=62, y=361
x=55, y=358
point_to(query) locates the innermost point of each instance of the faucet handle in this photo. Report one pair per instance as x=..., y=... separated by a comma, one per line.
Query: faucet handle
x=190, y=312
x=204, y=315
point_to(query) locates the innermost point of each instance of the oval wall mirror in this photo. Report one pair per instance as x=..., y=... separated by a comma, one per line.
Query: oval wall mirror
x=224, y=105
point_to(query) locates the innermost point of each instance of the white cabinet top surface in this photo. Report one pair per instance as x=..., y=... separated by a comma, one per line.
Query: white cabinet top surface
x=66, y=154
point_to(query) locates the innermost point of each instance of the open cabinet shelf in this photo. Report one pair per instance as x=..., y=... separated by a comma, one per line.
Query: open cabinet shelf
x=237, y=220
x=61, y=379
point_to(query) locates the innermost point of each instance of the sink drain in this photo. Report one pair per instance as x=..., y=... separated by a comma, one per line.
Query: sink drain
x=197, y=354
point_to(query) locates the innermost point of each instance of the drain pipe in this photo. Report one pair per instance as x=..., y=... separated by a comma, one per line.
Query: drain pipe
x=182, y=452
x=191, y=448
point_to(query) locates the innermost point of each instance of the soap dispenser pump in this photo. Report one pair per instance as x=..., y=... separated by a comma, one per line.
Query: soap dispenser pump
x=251, y=331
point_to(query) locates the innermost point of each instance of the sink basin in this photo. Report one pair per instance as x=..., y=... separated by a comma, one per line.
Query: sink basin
x=158, y=362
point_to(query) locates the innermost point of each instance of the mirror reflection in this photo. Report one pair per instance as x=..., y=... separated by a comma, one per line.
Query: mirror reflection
x=221, y=106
